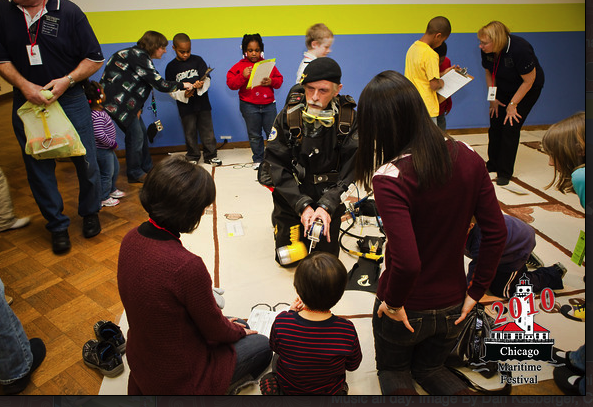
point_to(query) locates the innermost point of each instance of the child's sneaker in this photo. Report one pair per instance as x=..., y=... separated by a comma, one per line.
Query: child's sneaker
x=108, y=331
x=268, y=385
x=561, y=268
x=534, y=261
x=117, y=194
x=214, y=161
x=110, y=202
x=103, y=356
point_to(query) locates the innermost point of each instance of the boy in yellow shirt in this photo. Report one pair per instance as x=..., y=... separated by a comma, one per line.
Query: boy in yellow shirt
x=422, y=63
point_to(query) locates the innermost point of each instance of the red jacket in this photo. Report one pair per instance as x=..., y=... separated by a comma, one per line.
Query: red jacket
x=260, y=95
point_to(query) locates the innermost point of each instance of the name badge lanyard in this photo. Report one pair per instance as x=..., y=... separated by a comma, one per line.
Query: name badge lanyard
x=33, y=42
x=495, y=70
x=153, y=105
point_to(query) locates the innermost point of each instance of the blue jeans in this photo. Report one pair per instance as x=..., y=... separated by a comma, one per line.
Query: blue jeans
x=138, y=160
x=403, y=356
x=16, y=358
x=41, y=173
x=258, y=118
x=577, y=358
x=109, y=169
x=253, y=356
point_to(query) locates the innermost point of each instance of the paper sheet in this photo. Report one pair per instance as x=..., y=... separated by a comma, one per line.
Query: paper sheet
x=453, y=82
x=261, y=320
x=261, y=70
x=234, y=228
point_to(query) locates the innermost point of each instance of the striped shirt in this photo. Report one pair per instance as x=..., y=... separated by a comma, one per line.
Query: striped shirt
x=314, y=355
x=104, y=129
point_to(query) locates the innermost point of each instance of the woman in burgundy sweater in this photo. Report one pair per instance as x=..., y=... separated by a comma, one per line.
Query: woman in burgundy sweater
x=179, y=342
x=427, y=186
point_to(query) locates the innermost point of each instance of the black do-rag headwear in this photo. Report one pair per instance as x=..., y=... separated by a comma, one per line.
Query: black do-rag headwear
x=322, y=69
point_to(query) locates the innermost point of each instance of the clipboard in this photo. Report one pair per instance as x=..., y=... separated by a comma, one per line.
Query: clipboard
x=454, y=80
x=261, y=70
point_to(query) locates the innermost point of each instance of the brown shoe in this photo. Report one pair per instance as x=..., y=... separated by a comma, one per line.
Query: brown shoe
x=8, y=299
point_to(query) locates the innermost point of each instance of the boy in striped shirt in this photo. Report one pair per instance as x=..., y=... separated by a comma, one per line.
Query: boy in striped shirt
x=313, y=347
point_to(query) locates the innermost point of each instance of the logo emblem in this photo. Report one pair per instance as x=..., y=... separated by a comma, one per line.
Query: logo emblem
x=522, y=339
x=273, y=134
x=363, y=281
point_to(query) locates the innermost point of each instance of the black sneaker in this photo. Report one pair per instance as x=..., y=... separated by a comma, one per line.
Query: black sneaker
x=268, y=385
x=561, y=268
x=38, y=351
x=502, y=181
x=108, y=331
x=103, y=356
x=214, y=161
x=91, y=225
x=60, y=241
x=534, y=261
x=568, y=381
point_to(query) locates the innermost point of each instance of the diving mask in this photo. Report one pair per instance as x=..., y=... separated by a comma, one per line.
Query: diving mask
x=323, y=117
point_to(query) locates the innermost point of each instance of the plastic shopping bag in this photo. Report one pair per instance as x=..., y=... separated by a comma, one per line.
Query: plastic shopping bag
x=50, y=134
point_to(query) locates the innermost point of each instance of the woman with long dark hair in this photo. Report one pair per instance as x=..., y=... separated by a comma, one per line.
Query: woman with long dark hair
x=427, y=187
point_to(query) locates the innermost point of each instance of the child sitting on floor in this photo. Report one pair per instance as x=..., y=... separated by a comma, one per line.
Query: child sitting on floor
x=313, y=347
x=516, y=258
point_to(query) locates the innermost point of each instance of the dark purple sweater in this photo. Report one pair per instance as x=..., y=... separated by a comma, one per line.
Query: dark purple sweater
x=178, y=341
x=426, y=232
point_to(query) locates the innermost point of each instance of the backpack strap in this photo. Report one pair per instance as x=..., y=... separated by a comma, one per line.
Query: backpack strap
x=346, y=115
x=295, y=97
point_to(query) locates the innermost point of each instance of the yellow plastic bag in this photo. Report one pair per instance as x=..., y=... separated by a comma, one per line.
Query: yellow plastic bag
x=50, y=134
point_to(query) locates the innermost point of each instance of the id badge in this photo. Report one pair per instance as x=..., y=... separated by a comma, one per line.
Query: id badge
x=491, y=93
x=34, y=55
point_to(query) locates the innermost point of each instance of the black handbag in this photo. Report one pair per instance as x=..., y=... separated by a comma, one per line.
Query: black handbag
x=470, y=347
x=470, y=344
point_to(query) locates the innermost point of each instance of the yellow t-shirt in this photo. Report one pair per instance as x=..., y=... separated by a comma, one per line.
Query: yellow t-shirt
x=422, y=65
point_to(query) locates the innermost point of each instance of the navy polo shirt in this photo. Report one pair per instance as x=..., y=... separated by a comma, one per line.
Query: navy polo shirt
x=65, y=39
x=516, y=59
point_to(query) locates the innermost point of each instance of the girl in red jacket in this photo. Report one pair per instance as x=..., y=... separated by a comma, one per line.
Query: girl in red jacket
x=257, y=104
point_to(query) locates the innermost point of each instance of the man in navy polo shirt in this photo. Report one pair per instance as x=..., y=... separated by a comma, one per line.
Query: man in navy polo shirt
x=49, y=44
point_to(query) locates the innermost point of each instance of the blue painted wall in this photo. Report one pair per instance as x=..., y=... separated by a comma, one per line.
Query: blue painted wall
x=363, y=56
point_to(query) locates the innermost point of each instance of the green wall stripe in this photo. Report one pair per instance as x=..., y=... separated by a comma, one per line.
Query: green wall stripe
x=232, y=22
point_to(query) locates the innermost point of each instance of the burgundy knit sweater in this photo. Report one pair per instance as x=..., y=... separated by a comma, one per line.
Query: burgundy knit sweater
x=426, y=232
x=179, y=342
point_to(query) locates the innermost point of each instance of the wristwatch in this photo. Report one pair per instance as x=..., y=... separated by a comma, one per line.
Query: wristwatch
x=392, y=310
x=71, y=79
